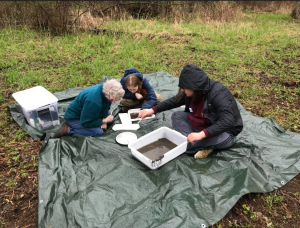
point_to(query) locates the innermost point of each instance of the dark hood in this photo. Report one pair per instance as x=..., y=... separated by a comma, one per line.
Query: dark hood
x=132, y=71
x=127, y=73
x=192, y=77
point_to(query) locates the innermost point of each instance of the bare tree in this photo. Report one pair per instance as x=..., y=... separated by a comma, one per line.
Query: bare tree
x=296, y=11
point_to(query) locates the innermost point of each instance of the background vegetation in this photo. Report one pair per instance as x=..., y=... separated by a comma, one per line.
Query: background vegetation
x=71, y=16
x=251, y=47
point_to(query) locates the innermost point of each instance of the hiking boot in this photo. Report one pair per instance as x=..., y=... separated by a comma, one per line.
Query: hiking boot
x=203, y=153
x=62, y=131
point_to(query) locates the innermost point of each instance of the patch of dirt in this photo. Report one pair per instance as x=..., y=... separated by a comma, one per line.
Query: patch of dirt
x=19, y=181
x=272, y=99
x=280, y=208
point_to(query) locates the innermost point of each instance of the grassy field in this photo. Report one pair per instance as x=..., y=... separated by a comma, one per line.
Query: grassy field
x=258, y=59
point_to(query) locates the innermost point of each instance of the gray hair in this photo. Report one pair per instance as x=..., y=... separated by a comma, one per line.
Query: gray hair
x=112, y=88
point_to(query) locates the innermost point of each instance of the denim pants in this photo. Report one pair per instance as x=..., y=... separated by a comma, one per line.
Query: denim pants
x=182, y=124
x=77, y=128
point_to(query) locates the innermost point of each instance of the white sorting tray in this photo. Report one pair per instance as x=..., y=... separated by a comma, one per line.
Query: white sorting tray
x=163, y=132
x=137, y=110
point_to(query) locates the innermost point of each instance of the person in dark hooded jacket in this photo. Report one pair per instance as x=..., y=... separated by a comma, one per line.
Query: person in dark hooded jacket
x=211, y=119
x=138, y=91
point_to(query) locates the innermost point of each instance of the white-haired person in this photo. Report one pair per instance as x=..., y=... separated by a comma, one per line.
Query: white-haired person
x=88, y=114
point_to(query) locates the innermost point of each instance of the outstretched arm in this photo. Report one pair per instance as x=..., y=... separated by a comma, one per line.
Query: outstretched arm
x=146, y=112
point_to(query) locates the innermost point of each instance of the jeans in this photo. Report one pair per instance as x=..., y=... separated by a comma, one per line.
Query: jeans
x=182, y=124
x=77, y=128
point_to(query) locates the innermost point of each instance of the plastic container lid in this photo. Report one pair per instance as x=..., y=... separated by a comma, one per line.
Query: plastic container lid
x=125, y=118
x=129, y=127
x=34, y=98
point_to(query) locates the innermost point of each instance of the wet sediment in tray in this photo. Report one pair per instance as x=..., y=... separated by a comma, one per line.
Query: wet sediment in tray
x=157, y=148
x=134, y=115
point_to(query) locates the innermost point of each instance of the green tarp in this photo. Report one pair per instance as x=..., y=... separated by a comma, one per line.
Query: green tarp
x=95, y=182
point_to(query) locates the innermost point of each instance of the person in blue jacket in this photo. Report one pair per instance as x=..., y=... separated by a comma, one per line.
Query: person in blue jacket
x=88, y=114
x=138, y=91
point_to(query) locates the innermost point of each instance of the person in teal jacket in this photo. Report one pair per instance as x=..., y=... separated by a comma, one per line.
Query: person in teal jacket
x=88, y=114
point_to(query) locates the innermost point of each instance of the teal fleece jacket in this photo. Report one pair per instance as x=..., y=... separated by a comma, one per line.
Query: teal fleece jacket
x=90, y=107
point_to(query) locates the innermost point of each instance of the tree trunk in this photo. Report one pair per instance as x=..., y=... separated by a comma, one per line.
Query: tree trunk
x=296, y=11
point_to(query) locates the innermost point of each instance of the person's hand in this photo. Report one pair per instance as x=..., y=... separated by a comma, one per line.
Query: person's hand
x=138, y=96
x=194, y=136
x=145, y=112
x=109, y=119
x=103, y=126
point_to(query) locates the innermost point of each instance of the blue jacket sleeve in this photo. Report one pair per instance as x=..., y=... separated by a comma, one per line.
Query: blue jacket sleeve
x=151, y=96
x=90, y=115
x=127, y=94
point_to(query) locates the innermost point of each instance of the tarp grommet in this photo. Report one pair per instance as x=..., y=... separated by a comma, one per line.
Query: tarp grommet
x=203, y=225
x=282, y=182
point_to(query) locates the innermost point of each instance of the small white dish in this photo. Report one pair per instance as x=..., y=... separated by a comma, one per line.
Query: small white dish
x=125, y=138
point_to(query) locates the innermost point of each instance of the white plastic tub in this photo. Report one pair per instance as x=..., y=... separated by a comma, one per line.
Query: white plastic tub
x=163, y=132
x=39, y=107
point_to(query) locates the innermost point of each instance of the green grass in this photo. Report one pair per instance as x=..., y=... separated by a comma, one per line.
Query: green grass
x=266, y=43
x=234, y=53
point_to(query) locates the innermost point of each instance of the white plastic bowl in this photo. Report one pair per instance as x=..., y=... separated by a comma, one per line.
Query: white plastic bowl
x=125, y=138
